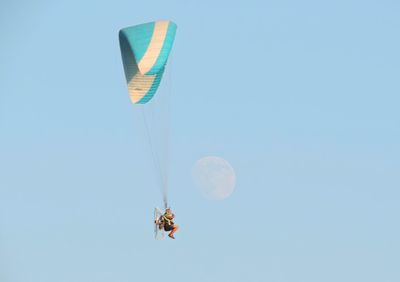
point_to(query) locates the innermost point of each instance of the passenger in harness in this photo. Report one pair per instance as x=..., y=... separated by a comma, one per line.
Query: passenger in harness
x=166, y=222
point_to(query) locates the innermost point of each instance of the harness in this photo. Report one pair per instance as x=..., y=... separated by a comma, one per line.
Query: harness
x=166, y=220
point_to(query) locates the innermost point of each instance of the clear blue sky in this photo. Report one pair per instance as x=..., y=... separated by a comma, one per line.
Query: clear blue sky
x=301, y=97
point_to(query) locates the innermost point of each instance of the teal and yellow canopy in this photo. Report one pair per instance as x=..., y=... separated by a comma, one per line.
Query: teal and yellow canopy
x=145, y=49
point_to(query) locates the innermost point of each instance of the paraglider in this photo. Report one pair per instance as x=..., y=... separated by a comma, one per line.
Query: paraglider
x=145, y=50
x=166, y=222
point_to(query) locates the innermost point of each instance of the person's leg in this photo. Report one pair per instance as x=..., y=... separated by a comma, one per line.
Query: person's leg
x=174, y=229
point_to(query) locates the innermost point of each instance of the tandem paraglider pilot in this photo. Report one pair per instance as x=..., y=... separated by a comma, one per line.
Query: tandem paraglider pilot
x=166, y=221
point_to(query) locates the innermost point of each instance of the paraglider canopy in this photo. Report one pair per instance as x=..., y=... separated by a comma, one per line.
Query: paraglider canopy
x=145, y=49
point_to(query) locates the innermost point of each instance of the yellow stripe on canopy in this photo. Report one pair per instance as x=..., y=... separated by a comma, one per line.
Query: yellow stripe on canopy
x=153, y=50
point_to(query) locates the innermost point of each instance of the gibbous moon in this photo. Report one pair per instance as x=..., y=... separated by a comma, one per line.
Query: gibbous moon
x=215, y=177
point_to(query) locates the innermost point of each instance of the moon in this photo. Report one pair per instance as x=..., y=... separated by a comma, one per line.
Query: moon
x=215, y=177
